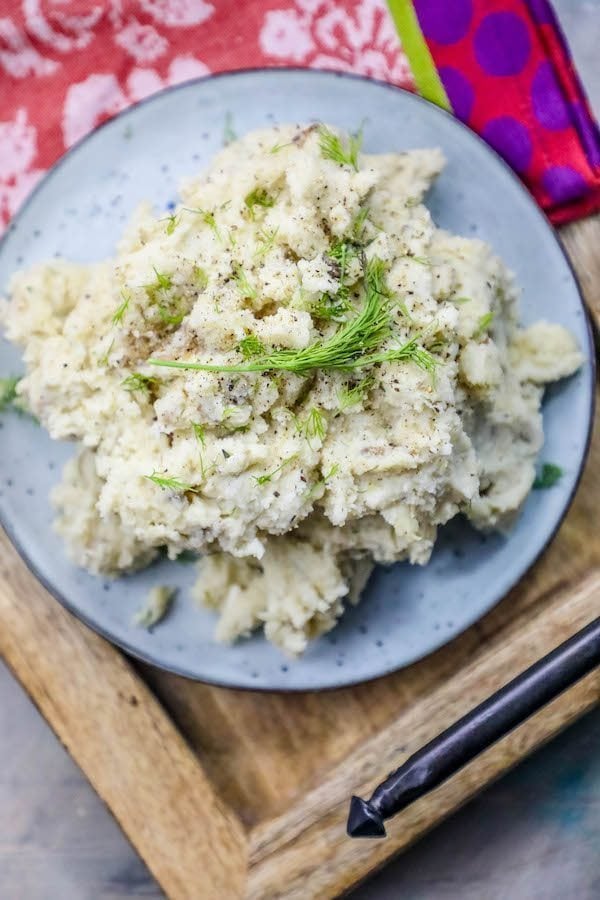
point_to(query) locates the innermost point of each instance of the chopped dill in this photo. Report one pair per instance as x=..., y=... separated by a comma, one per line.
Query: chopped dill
x=243, y=285
x=461, y=299
x=250, y=346
x=103, y=361
x=332, y=147
x=258, y=197
x=548, y=477
x=200, y=278
x=156, y=607
x=162, y=282
x=172, y=221
x=170, y=318
x=8, y=391
x=314, y=426
x=351, y=396
x=199, y=433
x=122, y=308
x=322, y=482
x=266, y=241
x=229, y=134
x=264, y=479
x=358, y=225
x=422, y=260
x=484, y=323
x=328, y=308
x=354, y=345
x=207, y=217
x=172, y=483
x=138, y=382
x=277, y=147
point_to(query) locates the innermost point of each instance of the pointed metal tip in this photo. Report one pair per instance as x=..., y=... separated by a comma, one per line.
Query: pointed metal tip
x=364, y=820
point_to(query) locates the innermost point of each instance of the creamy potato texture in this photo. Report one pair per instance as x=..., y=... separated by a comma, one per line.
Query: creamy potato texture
x=368, y=380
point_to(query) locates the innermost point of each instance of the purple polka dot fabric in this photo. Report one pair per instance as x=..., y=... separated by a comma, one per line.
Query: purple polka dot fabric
x=507, y=72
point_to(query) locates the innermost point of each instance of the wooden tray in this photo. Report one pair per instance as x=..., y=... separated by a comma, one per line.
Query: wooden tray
x=228, y=794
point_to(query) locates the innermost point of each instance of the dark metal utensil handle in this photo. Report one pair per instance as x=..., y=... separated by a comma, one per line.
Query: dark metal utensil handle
x=476, y=731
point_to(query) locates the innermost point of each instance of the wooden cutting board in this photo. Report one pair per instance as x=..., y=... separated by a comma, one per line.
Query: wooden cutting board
x=230, y=794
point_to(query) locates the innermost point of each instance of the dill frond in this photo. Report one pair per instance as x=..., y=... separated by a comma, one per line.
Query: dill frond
x=258, y=197
x=243, y=285
x=207, y=217
x=266, y=241
x=484, y=323
x=315, y=425
x=200, y=278
x=138, y=382
x=250, y=346
x=548, y=477
x=170, y=318
x=332, y=147
x=358, y=225
x=199, y=433
x=171, y=483
x=354, y=345
x=103, y=361
x=277, y=147
x=8, y=391
x=351, y=396
x=172, y=221
x=122, y=308
x=263, y=479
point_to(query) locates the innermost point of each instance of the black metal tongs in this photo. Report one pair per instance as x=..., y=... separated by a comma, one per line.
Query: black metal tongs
x=476, y=731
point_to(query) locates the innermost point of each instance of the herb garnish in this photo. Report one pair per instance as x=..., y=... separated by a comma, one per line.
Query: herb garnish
x=258, y=197
x=138, y=382
x=331, y=147
x=314, y=426
x=484, y=323
x=354, y=345
x=266, y=241
x=548, y=477
x=250, y=346
x=172, y=221
x=351, y=396
x=243, y=285
x=8, y=391
x=171, y=482
x=263, y=479
x=122, y=308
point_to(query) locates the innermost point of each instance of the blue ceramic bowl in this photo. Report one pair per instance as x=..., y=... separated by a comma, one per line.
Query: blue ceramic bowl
x=78, y=210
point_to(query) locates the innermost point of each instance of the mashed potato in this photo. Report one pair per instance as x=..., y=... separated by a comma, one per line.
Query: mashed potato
x=363, y=379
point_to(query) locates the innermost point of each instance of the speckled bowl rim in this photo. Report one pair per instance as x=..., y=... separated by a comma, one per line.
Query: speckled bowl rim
x=148, y=658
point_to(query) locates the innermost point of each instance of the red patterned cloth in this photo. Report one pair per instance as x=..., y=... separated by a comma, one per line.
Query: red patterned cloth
x=66, y=65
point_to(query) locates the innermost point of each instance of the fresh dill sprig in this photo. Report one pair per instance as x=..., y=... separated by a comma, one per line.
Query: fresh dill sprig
x=122, y=308
x=322, y=481
x=258, y=197
x=354, y=345
x=250, y=346
x=8, y=391
x=207, y=217
x=484, y=323
x=243, y=285
x=138, y=382
x=314, y=426
x=229, y=134
x=200, y=278
x=172, y=221
x=172, y=483
x=266, y=241
x=199, y=433
x=170, y=318
x=263, y=479
x=358, y=224
x=351, y=396
x=162, y=282
x=103, y=361
x=332, y=309
x=331, y=147
x=548, y=477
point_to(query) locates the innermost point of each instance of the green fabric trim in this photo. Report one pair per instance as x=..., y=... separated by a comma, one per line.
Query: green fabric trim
x=423, y=68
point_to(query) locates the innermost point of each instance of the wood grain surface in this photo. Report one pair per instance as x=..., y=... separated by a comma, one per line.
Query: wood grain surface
x=231, y=794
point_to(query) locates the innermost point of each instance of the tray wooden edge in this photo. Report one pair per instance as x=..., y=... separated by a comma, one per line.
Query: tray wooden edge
x=142, y=767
